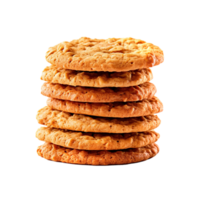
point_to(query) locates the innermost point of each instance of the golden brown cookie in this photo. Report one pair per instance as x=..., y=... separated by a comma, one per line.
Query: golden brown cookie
x=113, y=54
x=96, y=141
x=96, y=79
x=84, y=157
x=63, y=120
x=85, y=94
x=117, y=109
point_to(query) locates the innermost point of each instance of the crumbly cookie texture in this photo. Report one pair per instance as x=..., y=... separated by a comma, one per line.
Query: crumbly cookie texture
x=96, y=141
x=85, y=94
x=117, y=109
x=63, y=154
x=113, y=54
x=63, y=120
x=96, y=79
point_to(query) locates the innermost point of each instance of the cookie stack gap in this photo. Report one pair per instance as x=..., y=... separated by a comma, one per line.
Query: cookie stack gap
x=101, y=108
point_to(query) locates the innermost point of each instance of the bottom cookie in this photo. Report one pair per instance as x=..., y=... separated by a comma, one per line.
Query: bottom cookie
x=61, y=154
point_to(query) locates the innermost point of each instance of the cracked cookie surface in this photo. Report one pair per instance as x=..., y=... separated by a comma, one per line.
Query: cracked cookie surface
x=62, y=154
x=96, y=141
x=96, y=79
x=103, y=95
x=117, y=109
x=113, y=54
x=63, y=120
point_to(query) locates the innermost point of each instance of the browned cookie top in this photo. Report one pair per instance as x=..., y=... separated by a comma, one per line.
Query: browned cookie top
x=113, y=54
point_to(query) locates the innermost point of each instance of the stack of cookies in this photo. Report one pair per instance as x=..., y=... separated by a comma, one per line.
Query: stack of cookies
x=101, y=107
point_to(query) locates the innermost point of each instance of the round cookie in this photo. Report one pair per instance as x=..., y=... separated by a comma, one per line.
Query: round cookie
x=63, y=120
x=99, y=95
x=96, y=141
x=96, y=79
x=84, y=157
x=117, y=109
x=113, y=54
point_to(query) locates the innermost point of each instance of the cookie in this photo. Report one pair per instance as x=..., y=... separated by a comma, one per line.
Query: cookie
x=113, y=54
x=63, y=120
x=84, y=157
x=96, y=141
x=85, y=94
x=117, y=109
x=96, y=79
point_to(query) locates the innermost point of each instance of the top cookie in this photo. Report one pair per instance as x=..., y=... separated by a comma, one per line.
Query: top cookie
x=113, y=54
